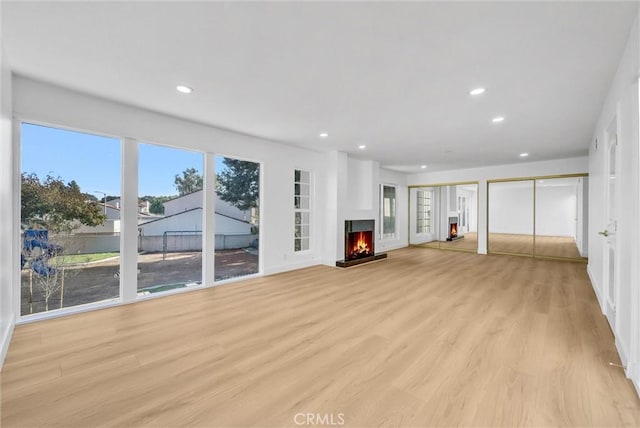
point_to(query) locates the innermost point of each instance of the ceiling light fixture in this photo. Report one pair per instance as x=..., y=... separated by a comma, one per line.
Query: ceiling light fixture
x=477, y=91
x=324, y=135
x=362, y=147
x=184, y=89
x=524, y=155
x=423, y=166
x=497, y=119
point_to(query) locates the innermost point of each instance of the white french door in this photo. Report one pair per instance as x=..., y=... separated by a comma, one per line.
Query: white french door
x=611, y=227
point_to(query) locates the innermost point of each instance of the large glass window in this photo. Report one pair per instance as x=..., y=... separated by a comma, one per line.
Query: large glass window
x=302, y=212
x=170, y=201
x=388, y=212
x=70, y=218
x=237, y=219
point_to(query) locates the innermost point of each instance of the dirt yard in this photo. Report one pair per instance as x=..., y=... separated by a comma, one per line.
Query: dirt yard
x=99, y=281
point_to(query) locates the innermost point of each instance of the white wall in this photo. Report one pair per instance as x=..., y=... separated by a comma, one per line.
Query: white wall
x=8, y=240
x=622, y=105
x=556, y=211
x=522, y=169
x=345, y=176
x=511, y=208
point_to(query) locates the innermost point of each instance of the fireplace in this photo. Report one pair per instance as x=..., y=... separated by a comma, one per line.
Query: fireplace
x=359, y=243
x=358, y=239
x=454, y=232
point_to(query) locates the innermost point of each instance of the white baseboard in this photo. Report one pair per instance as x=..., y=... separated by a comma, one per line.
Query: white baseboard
x=622, y=352
x=596, y=288
x=482, y=251
x=7, y=334
x=293, y=266
x=384, y=249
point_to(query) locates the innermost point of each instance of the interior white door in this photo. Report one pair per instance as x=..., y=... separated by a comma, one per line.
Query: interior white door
x=611, y=227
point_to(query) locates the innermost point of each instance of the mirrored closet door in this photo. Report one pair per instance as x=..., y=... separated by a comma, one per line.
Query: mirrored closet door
x=444, y=216
x=539, y=217
x=510, y=227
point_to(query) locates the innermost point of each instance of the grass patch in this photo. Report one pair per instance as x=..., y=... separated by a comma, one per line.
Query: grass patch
x=73, y=259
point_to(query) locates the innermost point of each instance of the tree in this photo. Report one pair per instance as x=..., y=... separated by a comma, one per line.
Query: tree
x=59, y=208
x=51, y=204
x=156, y=203
x=239, y=183
x=90, y=197
x=190, y=181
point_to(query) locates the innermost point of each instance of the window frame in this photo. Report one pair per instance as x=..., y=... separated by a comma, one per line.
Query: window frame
x=393, y=209
x=427, y=220
x=299, y=210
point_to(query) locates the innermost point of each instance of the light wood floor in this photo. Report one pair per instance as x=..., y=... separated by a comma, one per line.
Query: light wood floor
x=424, y=338
x=549, y=246
x=468, y=243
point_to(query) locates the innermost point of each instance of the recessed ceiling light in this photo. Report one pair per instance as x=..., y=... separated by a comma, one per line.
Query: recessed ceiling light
x=524, y=155
x=324, y=135
x=184, y=89
x=497, y=119
x=362, y=147
x=423, y=166
x=477, y=91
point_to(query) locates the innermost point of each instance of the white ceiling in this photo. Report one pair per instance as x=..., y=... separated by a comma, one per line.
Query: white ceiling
x=393, y=76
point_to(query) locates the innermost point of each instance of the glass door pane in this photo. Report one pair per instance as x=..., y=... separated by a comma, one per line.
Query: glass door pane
x=511, y=217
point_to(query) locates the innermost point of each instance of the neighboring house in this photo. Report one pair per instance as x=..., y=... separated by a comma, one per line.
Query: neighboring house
x=184, y=213
x=112, y=225
x=194, y=200
x=191, y=220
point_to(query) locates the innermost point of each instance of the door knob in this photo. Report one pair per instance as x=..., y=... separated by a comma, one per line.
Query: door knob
x=604, y=233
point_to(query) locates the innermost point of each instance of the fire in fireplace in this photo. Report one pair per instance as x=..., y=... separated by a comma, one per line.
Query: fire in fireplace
x=359, y=244
x=358, y=239
x=453, y=230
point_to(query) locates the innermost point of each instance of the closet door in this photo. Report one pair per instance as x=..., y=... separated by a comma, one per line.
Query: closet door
x=557, y=231
x=511, y=217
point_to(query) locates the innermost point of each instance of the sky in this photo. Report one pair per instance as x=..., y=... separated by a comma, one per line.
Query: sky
x=94, y=161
